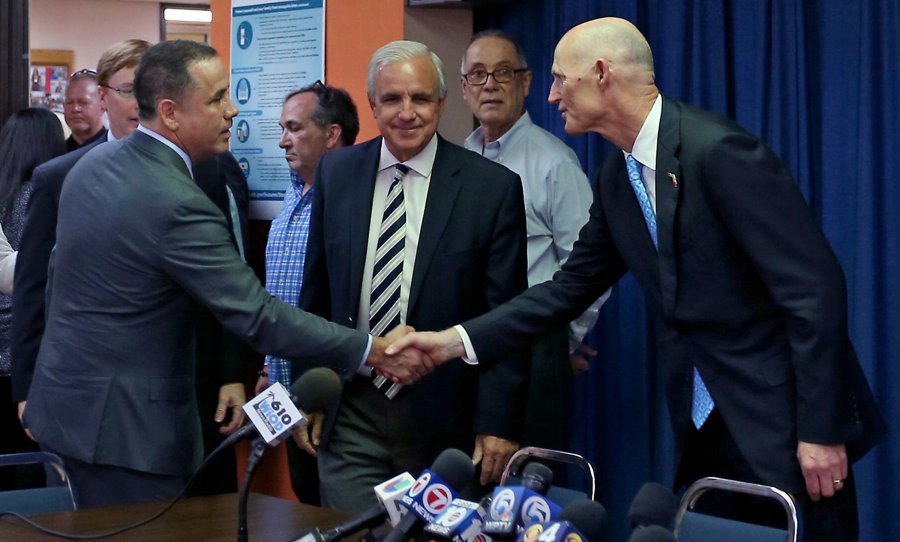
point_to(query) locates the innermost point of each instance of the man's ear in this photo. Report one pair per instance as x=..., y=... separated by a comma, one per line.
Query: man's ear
x=167, y=111
x=334, y=136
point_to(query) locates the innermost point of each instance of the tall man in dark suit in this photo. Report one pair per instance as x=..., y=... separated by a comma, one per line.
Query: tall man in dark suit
x=410, y=228
x=139, y=248
x=763, y=383
x=218, y=352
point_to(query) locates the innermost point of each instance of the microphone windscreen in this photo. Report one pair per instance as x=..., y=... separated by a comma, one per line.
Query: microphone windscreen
x=455, y=467
x=317, y=389
x=653, y=533
x=587, y=516
x=537, y=477
x=654, y=504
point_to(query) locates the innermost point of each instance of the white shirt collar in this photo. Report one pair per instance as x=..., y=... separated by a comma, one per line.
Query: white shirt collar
x=420, y=163
x=168, y=143
x=644, y=148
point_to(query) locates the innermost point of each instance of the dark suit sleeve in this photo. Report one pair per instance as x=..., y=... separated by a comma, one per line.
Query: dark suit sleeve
x=314, y=292
x=30, y=279
x=197, y=253
x=593, y=267
x=764, y=211
x=502, y=386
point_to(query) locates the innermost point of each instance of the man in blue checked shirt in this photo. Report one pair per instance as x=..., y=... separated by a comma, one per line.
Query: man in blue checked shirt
x=314, y=120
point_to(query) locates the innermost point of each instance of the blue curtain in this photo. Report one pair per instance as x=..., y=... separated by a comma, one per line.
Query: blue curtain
x=820, y=82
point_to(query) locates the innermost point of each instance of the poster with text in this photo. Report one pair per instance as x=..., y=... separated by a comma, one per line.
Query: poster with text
x=276, y=47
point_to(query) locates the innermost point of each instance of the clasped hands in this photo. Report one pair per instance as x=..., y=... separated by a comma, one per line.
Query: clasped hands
x=406, y=356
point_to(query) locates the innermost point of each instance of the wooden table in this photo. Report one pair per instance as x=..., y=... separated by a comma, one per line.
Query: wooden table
x=270, y=519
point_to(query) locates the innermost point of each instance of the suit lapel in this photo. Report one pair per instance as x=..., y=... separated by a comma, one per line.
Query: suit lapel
x=442, y=192
x=366, y=167
x=668, y=189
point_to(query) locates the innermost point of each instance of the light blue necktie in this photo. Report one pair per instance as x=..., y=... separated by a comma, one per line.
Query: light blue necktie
x=702, y=403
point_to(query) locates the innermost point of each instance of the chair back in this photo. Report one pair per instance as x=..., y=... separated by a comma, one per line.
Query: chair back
x=692, y=526
x=559, y=495
x=56, y=497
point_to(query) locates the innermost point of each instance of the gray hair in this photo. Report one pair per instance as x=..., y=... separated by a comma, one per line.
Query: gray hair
x=397, y=51
x=499, y=34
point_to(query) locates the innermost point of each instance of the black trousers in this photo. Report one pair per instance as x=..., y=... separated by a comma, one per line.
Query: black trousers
x=711, y=451
x=106, y=485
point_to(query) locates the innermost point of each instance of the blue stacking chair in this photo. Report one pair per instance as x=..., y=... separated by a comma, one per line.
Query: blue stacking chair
x=692, y=526
x=58, y=496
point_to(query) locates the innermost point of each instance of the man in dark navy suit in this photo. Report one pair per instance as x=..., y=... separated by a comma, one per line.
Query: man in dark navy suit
x=459, y=223
x=763, y=383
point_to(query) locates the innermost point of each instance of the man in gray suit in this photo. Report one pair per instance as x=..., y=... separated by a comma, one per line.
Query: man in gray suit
x=139, y=248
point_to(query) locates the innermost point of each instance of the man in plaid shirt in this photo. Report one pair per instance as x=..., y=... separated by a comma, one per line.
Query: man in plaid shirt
x=314, y=120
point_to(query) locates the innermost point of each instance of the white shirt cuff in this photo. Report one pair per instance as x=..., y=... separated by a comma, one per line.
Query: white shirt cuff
x=470, y=356
x=364, y=369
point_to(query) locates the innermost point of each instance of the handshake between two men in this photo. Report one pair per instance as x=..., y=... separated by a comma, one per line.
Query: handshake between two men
x=405, y=355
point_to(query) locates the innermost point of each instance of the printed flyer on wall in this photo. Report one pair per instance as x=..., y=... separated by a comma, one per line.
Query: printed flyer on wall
x=276, y=47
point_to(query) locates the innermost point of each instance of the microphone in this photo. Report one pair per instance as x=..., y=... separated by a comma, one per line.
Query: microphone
x=654, y=504
x=515, y=507
x=273, y=417
x=274, y=414
x=589, y=517
x=581, y=520
x=652, y=533
x=433, y=492
x=537, y=477
x=461, y=522
x=388, y=493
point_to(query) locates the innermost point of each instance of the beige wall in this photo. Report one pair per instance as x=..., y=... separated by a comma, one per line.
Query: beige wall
x=446, y=31
x=88, y=27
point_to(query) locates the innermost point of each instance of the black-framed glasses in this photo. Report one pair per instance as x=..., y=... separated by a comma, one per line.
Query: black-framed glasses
x=125, y=93
x=86, y=72
x=480, y=76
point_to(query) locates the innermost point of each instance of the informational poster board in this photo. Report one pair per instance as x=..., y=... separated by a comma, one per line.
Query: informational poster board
x=276, y=47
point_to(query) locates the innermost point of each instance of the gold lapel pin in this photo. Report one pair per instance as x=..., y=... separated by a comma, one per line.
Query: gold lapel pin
x=674, y=179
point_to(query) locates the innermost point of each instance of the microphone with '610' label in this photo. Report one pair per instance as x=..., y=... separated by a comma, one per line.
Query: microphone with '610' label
x=275, y=414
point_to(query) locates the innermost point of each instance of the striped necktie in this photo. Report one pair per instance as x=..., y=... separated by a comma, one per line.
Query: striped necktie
x=701, y=403
x=384, y=303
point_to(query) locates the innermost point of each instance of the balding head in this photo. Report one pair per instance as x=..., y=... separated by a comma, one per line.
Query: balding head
x=603, y=79
x=613, y=39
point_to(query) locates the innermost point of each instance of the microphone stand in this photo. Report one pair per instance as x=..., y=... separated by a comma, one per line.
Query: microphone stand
x=258, y=448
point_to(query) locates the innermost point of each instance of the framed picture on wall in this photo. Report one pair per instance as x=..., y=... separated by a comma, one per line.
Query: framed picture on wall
x=49, y=75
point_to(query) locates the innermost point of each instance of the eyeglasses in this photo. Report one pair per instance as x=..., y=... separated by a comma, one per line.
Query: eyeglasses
x=86, y=72
x=501, y=75
x=124, y=93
